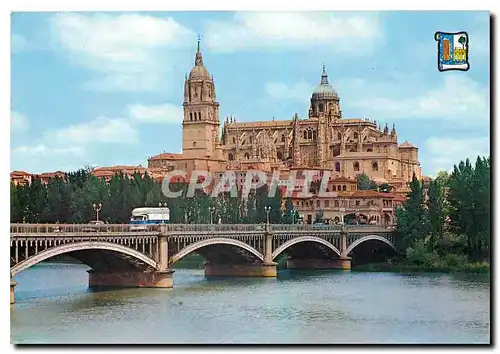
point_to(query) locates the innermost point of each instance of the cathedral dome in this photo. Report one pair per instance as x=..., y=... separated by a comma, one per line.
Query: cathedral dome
x=324, y=90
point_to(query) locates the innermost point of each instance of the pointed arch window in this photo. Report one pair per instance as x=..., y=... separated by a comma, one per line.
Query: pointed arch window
x=190, y=116
x=375, y=166
x=305, y=134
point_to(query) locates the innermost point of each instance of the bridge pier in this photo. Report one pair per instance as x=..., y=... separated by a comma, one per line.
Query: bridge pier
x=136, y=279
x=12, y=295
x=268, y=270
x=343, y=263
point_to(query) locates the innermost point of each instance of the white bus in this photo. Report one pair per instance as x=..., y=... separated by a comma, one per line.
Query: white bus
x=148, y=216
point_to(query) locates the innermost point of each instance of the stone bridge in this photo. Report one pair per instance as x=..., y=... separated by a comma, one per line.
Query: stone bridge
x=142, y=256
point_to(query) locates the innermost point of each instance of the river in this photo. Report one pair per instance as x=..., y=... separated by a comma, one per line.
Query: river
x=54, y=305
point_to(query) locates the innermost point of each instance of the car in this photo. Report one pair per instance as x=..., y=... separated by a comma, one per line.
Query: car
x=95, y=226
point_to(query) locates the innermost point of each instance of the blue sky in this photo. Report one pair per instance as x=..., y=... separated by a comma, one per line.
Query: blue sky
x=104, y=89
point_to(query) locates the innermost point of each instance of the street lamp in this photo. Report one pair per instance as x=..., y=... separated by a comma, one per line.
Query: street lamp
x=342, y=211
x=267, y=210
x=97, y=209
x=164, y=205
x=211, y=209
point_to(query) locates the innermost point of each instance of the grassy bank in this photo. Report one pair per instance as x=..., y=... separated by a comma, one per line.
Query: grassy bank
x=471, y=268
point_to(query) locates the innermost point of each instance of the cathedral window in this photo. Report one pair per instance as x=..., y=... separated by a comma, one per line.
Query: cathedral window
x=344, y=188
x=247, y=156
x=338, y=188
x=199, y=115
x=282, y=138
x=337, y=167
x=230, y=157
x=305, y=134
x=191, y=116
x=314, y=134
x=339, y=136
x=375, y=166
x=356, y=166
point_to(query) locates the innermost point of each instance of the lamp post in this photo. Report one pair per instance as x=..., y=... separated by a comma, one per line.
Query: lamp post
x=211, y=209
x=162, y=205
x=97, y=209
x=267, y=210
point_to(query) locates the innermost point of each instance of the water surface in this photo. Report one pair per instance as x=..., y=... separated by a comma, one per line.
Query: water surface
x=54, y=305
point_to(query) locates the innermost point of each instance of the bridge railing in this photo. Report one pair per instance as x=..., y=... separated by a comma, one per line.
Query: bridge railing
x=215, y=227
x=80, y=228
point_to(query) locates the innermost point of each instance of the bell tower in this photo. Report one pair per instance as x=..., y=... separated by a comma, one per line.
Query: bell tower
x=200, y=126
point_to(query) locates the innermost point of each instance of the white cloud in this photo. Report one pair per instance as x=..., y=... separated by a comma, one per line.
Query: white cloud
x=249, y=31
x=45, y=150
x=18, y=122
x=457, y=98
x=100, y=130
x=166, y=113
x=129, y=51
x=299, y=91
x=443, y=153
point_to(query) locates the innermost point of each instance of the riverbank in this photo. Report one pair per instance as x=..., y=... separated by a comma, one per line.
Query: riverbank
x=469, y=268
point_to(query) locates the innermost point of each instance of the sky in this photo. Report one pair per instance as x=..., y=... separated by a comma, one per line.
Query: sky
x=104, y=89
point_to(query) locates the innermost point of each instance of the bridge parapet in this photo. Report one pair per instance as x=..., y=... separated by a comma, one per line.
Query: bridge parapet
x=82, y=229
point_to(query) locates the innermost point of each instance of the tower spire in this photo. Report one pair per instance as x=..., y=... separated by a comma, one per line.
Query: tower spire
x=324, y=76
x=198, y=61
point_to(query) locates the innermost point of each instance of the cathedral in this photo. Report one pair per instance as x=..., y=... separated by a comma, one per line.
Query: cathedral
x=325, y=140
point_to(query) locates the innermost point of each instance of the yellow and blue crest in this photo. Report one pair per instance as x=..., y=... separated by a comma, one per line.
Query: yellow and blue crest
x=453, y=51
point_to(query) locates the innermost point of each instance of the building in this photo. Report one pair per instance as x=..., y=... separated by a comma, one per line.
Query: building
x=323, y=140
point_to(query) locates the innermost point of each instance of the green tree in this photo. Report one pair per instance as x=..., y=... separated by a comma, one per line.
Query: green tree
x=462, y=40
x=411, y=218
x=436, y=213
x=365, y=183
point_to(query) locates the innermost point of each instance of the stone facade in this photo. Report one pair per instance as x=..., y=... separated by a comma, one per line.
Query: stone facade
x=324, y=140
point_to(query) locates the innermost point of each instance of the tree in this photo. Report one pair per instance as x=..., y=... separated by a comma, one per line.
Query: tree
x=385, y=187
x=436, y=212
x=289, y=215
x=412, y=220
x=461, y=40
x=365, y=183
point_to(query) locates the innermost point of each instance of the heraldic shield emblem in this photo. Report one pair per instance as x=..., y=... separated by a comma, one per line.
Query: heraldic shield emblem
x=453, y=51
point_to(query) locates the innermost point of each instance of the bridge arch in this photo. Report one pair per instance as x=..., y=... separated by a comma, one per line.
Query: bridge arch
x=81, y=246
x=214, y=241
x=296, y=240
x=369, y=238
